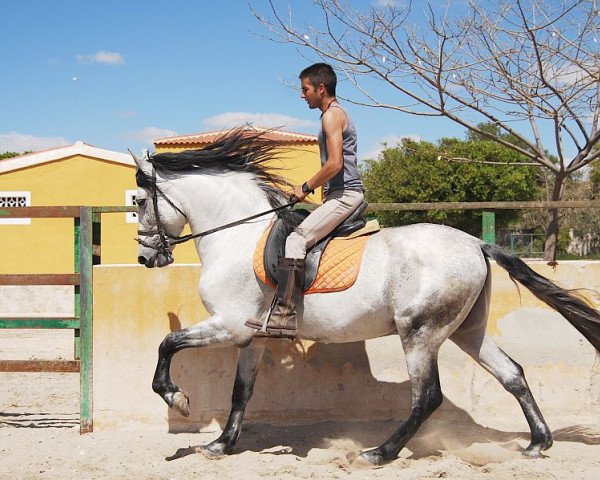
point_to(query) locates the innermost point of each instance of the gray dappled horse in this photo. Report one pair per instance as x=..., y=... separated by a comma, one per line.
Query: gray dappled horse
x=427, y=283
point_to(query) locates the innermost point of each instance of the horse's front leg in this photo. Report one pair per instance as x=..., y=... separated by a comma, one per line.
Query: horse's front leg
x=208, y=332
x=249, y=359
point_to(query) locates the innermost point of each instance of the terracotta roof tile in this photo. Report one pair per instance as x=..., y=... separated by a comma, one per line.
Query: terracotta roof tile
x=209, y=137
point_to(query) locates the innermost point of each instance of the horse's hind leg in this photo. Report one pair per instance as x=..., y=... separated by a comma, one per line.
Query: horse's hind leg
x=426, y=397
x=510, y=374
x=471, y=338
x=249, y=360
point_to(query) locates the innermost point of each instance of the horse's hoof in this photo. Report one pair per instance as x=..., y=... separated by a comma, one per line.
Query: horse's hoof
x=369, y=459
x=361, y=463
x=181, y=403
x=211, y=451
x=535, y=450
x=532, y=453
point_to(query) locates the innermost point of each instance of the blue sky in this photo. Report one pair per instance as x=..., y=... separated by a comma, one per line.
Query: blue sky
x=117, y=74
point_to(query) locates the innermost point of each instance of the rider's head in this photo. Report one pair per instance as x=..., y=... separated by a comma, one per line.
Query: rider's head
x=321, y=73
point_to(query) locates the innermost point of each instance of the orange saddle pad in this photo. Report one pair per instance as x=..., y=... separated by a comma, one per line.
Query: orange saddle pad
x=338, y=268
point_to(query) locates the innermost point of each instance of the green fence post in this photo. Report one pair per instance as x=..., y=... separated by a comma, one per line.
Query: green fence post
x=86, y=263
x=488, y=226
x=77, y=301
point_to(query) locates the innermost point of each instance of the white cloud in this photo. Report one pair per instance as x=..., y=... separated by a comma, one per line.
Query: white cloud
x=149, y=134
x=20, y=142
x=570, y=75
x=233, y=119
x=388, y=141
x=104, y=57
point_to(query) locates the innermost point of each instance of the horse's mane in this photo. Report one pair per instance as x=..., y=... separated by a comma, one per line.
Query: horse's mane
x=239, y=150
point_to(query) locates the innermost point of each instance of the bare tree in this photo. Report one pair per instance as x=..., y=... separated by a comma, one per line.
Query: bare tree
x=531, y=67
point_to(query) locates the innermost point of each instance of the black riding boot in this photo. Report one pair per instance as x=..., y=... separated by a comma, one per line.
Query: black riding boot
x=290, y=277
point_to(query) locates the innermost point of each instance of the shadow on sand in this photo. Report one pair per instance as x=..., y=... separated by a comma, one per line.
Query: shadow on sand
x=310, y=395
x=39, y=420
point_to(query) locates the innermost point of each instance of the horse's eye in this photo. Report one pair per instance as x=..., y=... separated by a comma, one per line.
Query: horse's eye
x=141, y=202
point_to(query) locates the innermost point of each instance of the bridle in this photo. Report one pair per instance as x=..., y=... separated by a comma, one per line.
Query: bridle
x=167, y=240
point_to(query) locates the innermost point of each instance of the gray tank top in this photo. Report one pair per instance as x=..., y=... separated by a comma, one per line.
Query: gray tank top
x=348, y=177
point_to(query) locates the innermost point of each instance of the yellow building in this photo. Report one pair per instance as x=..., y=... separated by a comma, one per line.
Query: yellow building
x=78, y=174
x=82, y=174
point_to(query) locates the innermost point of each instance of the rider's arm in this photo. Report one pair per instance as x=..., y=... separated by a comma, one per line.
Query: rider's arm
x=333, y=126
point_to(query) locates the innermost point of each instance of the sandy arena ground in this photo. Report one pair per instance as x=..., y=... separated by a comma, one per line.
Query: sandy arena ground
x=39, y=438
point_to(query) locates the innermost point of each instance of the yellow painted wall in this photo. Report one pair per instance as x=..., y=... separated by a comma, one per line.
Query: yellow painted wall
x=298, y=165
x=307, y=382
x=575, y=274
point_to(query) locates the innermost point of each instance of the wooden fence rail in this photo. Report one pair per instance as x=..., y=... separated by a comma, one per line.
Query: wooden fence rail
x=483, y=205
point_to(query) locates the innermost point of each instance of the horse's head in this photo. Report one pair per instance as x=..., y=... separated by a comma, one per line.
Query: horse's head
x=160, y=220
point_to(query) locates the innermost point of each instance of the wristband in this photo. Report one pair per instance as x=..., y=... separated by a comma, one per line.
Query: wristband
x=306, y=189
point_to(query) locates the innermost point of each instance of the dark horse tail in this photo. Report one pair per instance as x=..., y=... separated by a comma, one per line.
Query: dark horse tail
x=579, y=314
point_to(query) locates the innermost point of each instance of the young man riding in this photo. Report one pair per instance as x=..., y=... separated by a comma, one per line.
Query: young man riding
x=342, y=187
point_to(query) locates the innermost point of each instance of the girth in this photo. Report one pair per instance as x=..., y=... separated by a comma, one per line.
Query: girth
x=286, y=223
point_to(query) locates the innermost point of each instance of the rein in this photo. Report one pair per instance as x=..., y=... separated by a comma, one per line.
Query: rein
x=185, y=238
x=167, y=240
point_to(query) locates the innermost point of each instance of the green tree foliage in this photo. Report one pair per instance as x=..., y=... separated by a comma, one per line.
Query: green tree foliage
x=10, y=155
x=416, y=171
x=496, y=131
x=595, y=179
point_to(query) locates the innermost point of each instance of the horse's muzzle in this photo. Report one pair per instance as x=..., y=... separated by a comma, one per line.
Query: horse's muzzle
x=156, y=260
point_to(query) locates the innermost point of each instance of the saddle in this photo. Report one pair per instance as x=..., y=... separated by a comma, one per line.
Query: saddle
x=272, y=246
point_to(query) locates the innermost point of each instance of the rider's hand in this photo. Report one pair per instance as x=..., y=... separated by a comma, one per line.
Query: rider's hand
x=298, y=193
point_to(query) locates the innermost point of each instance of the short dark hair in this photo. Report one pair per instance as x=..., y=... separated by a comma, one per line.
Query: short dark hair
x=321, y=73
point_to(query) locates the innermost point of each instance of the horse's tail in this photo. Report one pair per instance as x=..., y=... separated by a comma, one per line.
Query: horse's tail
x=579, y=314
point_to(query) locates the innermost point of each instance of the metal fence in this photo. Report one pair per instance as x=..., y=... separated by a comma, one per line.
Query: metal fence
x=525, y=244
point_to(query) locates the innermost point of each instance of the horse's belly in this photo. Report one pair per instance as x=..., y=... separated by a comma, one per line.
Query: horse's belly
x=345, y=317
x=346, y=333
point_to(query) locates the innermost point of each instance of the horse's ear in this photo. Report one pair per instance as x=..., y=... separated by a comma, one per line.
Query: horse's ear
x=137, y=160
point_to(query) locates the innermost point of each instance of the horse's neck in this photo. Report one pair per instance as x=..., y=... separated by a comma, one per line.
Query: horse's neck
x=214, y=201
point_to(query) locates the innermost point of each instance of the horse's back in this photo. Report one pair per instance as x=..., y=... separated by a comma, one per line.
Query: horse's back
x=427, y=245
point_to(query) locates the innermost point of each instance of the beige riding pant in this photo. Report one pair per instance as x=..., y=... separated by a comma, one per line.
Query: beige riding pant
x=338, y=206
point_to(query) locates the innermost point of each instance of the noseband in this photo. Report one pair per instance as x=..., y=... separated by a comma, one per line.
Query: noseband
x=167, y=240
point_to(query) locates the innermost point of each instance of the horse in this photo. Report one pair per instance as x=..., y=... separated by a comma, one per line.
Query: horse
x=425, y=283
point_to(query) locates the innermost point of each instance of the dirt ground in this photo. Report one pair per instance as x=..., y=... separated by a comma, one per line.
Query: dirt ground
x=39, y=438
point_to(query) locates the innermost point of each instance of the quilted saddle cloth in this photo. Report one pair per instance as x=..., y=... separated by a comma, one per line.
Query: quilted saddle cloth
x=339, y=263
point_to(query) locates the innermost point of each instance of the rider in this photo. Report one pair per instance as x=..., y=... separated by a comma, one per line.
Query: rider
x=342, y=187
